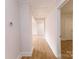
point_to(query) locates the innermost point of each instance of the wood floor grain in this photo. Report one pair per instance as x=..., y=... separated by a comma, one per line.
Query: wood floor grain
x=41, y=50
x=66, y=49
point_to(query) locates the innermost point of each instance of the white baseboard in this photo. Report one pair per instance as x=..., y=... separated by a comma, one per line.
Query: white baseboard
x=19, y=56
x=51, y=48
x=26, y=53
x=29, y=53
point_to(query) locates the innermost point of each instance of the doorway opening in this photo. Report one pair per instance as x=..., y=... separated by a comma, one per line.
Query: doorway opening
x=38, y=27
x=67, y=30
x=38, y=32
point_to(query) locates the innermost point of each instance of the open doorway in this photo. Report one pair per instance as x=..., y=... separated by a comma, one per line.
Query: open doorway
x=38, y=27
x=67, y=30
x=38, y=32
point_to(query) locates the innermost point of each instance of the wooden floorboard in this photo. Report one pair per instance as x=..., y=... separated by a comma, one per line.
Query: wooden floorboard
x=66, y=49
x=41, y=50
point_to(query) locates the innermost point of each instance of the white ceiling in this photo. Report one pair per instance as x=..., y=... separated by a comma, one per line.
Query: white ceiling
x=41, y=8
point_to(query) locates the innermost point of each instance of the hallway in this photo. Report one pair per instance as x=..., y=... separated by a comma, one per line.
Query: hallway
x=30, y=18
x=41, y=50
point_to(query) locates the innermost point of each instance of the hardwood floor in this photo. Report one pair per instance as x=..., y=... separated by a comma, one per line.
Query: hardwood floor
x=66, y=49
x=41, y=50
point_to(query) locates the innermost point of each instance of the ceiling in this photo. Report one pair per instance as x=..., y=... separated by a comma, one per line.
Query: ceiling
x=68, y=8
x=41, y=8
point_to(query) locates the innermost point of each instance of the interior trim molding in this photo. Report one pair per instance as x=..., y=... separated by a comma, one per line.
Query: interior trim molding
x=62, y=3
x=29, y=53
x=51, y=48
x=19, y=57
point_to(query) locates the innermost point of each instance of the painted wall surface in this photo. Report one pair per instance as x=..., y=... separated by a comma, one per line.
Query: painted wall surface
x=26, y=28
x=19, y=34
x=40, y=28
x=51, y=31
x=34, y=27
x=66, y=23
x=12, y=41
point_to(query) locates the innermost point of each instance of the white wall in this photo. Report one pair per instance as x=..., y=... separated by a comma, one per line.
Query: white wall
x=34, y=27
x=40, y=28
x=12, y=32
x=51, y=31
x=19, y=35
x=26, y=28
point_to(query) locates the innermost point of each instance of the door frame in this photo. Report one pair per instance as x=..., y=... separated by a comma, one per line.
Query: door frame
x=59, y=6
